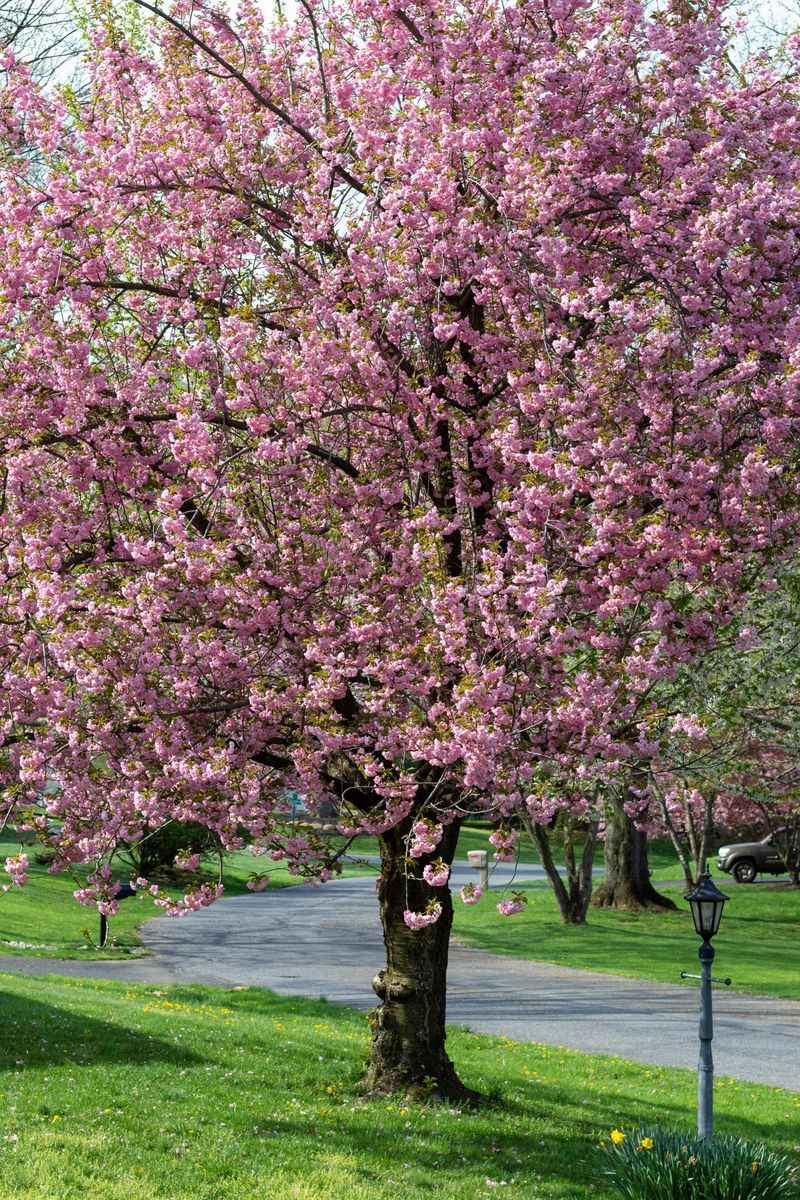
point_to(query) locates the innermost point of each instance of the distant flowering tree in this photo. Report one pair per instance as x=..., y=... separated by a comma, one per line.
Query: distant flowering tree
x=391, y=398
x=732, y=750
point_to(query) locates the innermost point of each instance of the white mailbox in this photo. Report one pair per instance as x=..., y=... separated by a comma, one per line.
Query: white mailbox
x=478, y=860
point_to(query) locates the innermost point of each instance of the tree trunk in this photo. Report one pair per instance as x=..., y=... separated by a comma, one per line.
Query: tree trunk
x=627, y=880
x=572, y=896
x=408, y=1027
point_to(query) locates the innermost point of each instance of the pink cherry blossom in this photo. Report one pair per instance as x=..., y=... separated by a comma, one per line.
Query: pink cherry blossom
x=515, y=904
x=388, y=416
x=436, y=873
x=419, y=920
x=471, y=893
x=257, y=883
x=505, y=841
x=17, y=865
x=187, y=862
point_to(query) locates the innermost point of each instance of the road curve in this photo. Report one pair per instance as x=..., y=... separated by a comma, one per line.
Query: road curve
x=326, y=942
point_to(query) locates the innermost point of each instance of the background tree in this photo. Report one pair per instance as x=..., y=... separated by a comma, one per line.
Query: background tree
x=733, y=760
x=391, y=399
x=44, y=35
x=627, y=883
x=576, y=834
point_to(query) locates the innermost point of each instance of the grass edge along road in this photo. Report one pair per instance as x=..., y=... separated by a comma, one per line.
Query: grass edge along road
x=758, y=944
x=193, y=1093
x=43, y=920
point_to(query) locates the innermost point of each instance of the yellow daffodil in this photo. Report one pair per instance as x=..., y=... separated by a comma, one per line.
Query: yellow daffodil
x=617, y=1137
x=646, y=1144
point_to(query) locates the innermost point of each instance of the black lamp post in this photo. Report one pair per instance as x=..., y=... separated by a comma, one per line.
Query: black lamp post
x=706, y=902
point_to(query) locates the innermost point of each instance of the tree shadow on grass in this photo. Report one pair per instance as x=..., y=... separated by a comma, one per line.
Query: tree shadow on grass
x=542, y=1137
x=34, y=1033
x=539, y=1128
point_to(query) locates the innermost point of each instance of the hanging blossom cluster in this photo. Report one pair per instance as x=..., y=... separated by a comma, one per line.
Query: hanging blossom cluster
x=100, y=891
x=17, y=867
x=257, y=883
x=420, y=920
x=376, y=439
x=200, y=897
x=515, y=904
x=426, y=835
x=504, y=841
x=436, y=873
x=187, y=862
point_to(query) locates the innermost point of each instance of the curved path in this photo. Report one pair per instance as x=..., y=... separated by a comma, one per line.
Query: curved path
x=326, y=942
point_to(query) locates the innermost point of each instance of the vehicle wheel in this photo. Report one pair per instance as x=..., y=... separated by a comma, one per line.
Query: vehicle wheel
x=745, y=871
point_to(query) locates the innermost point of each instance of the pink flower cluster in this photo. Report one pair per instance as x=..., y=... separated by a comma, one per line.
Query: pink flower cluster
x=419, y=920
x=198, y=898
x=515, y=904
x=505, y=841
x=100, y=892
x=16, y=866
x=427, y=835
x=436, y=873
x=187, y=862
x=258, y=883
x=471, y=893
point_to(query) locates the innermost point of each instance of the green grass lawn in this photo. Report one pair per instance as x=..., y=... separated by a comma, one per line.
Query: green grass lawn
x=143, y=1093
x=43, y=920
x=758, y=945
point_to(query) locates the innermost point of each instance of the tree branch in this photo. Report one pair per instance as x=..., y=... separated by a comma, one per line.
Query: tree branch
x=258, y=96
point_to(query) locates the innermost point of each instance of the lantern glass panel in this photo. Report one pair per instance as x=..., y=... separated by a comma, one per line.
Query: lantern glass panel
x=710, y=914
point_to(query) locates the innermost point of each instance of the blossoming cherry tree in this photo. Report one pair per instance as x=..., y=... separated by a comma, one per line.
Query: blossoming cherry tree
x=391, y=398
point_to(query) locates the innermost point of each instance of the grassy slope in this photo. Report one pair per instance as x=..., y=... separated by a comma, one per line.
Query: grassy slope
x=135, y=1093
x=758, y=944
x=47, y=921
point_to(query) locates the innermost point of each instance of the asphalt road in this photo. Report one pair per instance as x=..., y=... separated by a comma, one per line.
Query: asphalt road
x=326, y=942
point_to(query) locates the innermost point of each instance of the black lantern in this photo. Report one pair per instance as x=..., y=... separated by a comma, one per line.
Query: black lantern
x=707, y=903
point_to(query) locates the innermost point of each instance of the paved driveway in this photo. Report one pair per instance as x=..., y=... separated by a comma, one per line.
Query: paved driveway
x=326, y=942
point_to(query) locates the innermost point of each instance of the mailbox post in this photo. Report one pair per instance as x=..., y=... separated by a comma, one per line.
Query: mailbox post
x=479, y=861
x=125, y=891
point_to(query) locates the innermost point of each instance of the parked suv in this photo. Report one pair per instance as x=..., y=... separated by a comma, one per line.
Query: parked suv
x=744, y=860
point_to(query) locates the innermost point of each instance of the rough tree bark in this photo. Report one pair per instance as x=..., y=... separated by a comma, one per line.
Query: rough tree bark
x=627, y=880
x=572, y=896
x=408, y=1027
